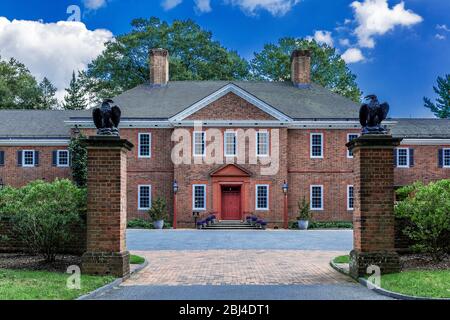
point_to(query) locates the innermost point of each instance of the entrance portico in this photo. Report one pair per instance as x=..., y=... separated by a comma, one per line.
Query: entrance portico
x=231, y=192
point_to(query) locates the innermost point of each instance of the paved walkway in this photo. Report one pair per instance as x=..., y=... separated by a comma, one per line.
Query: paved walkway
x=229, y=265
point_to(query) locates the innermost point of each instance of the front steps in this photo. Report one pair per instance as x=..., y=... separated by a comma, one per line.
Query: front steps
x=231, y=225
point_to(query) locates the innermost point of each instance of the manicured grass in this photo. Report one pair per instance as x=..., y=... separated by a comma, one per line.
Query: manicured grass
x=136, y=259
x=342, y=259
x=421, y=283
x=44, y=285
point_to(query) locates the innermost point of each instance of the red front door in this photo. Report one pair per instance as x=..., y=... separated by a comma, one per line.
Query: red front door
x=231, y=203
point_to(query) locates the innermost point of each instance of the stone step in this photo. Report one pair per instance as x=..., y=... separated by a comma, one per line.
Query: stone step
x=230, y=225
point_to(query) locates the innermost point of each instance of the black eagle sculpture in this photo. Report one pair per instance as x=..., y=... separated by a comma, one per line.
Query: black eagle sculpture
x=107, y=118
x=372, y=114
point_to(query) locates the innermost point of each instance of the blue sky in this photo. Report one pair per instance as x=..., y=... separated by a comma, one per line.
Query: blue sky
x=397, y=49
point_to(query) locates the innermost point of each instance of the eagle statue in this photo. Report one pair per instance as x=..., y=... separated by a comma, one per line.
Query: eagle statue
x=107, y=118
x=372, y=114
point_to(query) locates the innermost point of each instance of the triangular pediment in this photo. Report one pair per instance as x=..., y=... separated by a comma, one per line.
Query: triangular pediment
x=230, y=103
x=230, y=170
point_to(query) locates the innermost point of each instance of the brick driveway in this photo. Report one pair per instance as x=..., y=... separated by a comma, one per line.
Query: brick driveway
x=238, y=267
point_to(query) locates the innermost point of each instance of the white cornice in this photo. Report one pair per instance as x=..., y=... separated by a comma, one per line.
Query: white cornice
x=123, y=124
x=222, y=92
x=34, y=142
x=429, y=142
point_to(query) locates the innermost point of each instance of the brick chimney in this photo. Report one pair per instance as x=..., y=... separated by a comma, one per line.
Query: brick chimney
x=301, y=68
x=159, y=67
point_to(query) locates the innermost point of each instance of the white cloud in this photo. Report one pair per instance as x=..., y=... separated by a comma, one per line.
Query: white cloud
x=170, y=4
x=203, y=5
x=440, y=36
x=53, y=50
x=275, y=7
x=322, y=37
x=347, y=21
x=443, y=27
x=374, y=17
x=94, y=4
x=353, y=55
x=344, y=42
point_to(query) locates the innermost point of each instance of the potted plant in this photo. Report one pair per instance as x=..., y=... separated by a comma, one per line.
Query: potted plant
x=158, y=213
x=304, y=214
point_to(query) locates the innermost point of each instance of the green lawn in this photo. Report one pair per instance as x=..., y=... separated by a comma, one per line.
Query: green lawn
x=44, y=285
x=136, y=259
x=423, y=283
x=342, y=259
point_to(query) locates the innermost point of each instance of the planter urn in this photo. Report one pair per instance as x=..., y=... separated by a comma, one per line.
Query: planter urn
x=159, y=224
x=303, y=224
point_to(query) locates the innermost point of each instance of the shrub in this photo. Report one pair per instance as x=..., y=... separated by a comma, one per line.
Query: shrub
x=44, y=214
x=331, y=225
x=78, y=154
x=427, y=207
x=158, y=211
x=304, y=213
x=139, y=224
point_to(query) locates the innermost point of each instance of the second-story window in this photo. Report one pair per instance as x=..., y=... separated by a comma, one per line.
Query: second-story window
x=350, y=137
x=262, y=143
x=145, y=145
x=199, y=143
x=230, y=144
x=316, y=145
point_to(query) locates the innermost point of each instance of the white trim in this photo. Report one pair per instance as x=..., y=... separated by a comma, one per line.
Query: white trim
x=222, y=92
x=443, y=158
x=57, y=159
x=123, y=124
x=34, y=142
x=193, y=196
x=256, y=197
x=231, y=123
x=23, y=159
x=407, y=158
x=193, y=144
x=149, y=134
x=348, y=140
x=257, y=143
x=429, y=142
x=348, y=197
x=311, y=198
x=311, y=145
x=139, y=196
x=225, y=143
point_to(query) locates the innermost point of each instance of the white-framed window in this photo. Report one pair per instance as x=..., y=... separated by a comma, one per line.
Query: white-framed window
x=262, y=143
x=230, y=144
x=28, y=158
x=145, y=145
x=350, y=137
x=62, y=158
x=199, y=143
x=350, y=198
x=402, y=157
x=316, y=197
x=199, y=197
x=446, y=158
x=144, y=197
x=262, y=197
x=316, y=145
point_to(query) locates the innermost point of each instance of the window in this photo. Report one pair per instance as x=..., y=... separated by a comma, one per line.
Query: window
x=2, y=158
x=316, y=198
x=62, y=158
x=28, y=158
x=262, y=143
x=230, y=144
x=199, y=143
x=262, y=197
x=446, y=158
x=350, y=198
x=145, y=197
x=316, y=145
x=145, y=145
x=199, y=197
x=403, y=158
x=350, y=137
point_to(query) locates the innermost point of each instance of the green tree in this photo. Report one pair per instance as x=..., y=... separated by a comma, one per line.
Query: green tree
x=441, y=108
x=18, y=87
x=193, y=56
x=78, y=154
x=75, y=97
x=48, y=90
x=327, y=67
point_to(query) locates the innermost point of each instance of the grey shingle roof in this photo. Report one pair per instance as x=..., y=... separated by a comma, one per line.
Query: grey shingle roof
x=421, y=128
x=34, y=123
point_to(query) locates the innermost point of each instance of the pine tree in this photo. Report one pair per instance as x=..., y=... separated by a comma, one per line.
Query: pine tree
x=75, y=98
x=441, y=108
x=49, y=100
